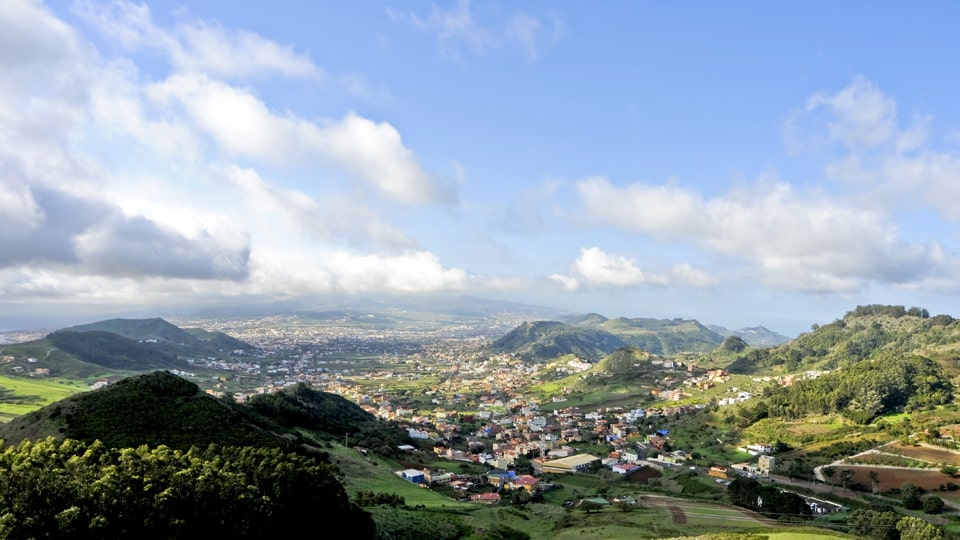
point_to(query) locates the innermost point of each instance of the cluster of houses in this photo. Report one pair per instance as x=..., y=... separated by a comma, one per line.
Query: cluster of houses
x=499, y=479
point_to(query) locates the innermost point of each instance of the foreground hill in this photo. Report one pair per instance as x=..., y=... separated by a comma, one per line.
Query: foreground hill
x=594, y=336
x=161, y=408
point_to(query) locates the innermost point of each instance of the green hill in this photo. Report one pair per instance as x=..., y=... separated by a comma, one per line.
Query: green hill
x=663, y=336
x=113, y=351
x=593, y=336
x=546, y=340
x=865, y=333
x=169, y=338
x=161, y=408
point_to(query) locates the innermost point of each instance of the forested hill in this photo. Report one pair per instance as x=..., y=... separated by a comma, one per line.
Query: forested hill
x=545, y=340
x=875, y=360
x=867, y=332
x=161, y=408
x=593, y=336
x=168, y=337
x=113, y=351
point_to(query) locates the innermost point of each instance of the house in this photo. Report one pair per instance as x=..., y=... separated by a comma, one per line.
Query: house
x=766, y=464
x=525, y=482
x=412, y=475
x=575, y=463
x=500, y=477
x=755, y=449
x=485, y=498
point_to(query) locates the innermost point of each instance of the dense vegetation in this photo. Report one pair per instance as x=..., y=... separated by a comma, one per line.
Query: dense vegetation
x=51, y=489
x=593, y=336
x=328, y=415
x=162, y=409
x=545, y=340
x=769, y=500
x=113, y=351
x=171, y=339
x=865, y=333
x=872, y=389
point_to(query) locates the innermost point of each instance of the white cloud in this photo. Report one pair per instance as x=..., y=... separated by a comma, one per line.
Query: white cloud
x=460, y=28
x=798, y=241
x=567, y=282
x=333, y=219
x=293, y=274
x=197, y=46
x=599, y=268
x=244, y=126
x=887, y=163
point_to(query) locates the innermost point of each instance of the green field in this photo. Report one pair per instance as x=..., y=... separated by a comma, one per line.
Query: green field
x=21, y=395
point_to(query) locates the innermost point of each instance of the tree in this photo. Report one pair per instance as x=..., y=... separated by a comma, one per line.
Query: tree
x=912, y=528
x=910, y=496
x=932, y=505
x=829, y=472
x=590, y=506
x=846, y=479
x=874, y=481
x=734, y=344
x=874, y=523
x=949, y=470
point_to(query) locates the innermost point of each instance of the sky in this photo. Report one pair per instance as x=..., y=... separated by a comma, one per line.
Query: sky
x=739, y=163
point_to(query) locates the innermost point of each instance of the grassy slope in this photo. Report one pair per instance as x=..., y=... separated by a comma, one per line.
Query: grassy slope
x=651, y=519
x=30, y=394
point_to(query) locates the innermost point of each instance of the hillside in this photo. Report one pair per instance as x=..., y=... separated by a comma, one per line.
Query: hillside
x=169, y=338
x=113, y=351
x=663, y=336
x=593, y=336
x=865, y=333
x=161, y=408
x=755, y=336
x=545, y=340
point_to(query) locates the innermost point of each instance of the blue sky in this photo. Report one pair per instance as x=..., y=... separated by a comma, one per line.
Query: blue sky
x=741, y=164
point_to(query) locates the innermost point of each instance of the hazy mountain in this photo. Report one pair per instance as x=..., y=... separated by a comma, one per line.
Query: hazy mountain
x=168, y=337
x=755, y=336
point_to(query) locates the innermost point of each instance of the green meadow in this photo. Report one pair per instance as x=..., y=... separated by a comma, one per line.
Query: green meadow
x=19, y=396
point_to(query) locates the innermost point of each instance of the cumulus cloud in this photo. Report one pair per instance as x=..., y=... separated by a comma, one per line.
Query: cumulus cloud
x=567, y=282
x=95, y=237
x=601, y=269
x=460, y=28
x=197, y=46
x=332, y=219
x=244, y=126
x=293, y=274
x=888, y=161
x=802, y=241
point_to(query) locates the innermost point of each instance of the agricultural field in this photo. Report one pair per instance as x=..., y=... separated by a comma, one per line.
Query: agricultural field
x=19, y=395
x=889, y=478
x=935, y=455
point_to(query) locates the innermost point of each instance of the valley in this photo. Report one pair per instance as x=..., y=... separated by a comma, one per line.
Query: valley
x=856, y=416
